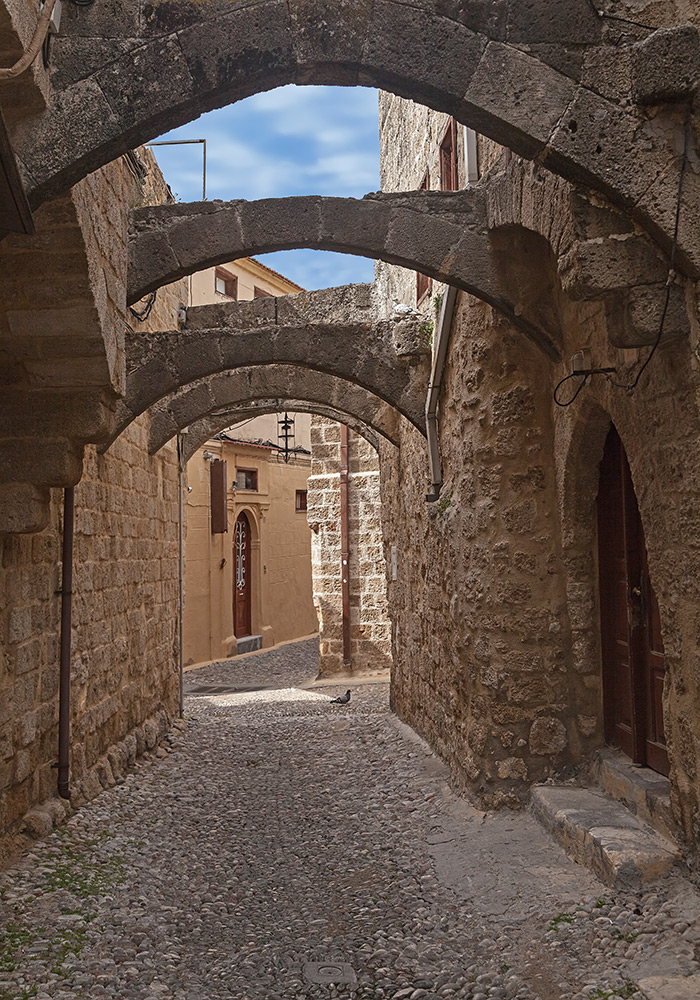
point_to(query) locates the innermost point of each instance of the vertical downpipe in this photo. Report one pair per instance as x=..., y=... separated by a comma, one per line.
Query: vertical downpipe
x=66, y=615
x=181, y=548
x=345, y=543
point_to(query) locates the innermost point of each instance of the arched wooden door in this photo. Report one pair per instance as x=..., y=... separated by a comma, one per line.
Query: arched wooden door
x=243, y=578
x=633, y=651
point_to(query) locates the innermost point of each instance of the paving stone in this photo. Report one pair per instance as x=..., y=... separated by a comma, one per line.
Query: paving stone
x=274, y=840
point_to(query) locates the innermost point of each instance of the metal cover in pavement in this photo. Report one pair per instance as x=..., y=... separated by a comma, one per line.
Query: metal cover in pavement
x=329, y=972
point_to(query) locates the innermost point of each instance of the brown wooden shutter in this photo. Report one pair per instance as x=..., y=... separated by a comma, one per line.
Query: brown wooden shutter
x=219, y=510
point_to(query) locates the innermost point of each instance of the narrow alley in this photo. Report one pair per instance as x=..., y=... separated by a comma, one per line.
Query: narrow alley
x=279, y=846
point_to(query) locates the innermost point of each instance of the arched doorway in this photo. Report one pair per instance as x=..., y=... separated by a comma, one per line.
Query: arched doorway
x=632, y=646
x=243, y=580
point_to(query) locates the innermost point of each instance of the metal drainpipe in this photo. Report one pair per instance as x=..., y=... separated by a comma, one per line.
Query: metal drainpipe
x=442, y=338
x=345, y=543
x=181, y=595
x=64, y=674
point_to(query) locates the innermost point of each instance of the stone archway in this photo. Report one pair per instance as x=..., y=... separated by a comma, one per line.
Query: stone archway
x=444, y=235
x=268, y=388
x=206, y=427
x=332, y=331
x=514, y=74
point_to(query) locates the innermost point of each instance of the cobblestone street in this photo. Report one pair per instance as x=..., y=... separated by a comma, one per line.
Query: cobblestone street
x=280, y=841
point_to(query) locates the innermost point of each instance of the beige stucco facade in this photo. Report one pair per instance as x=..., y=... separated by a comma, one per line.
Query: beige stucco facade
x=251, y=278
x=278, y=578
x=280, y=575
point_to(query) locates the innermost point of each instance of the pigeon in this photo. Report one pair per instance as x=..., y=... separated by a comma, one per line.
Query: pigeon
x=342, y=700
x=401, y=309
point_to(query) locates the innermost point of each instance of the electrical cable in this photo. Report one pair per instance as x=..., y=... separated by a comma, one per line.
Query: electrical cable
x=616, y=17
x=143, y=315
x=667, y=300
x=672, y=269
x=566, y=378
x=35, y=46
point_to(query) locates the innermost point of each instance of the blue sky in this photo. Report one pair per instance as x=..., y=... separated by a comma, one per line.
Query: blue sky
x=289, y=141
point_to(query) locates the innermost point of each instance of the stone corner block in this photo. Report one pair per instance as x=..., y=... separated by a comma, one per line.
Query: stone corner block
x=666, y=65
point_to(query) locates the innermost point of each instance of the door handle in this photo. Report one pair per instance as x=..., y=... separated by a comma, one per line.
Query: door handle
x=637, y=595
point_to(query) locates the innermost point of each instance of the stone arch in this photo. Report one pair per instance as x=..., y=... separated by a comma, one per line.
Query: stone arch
x=441, y=234
x=513, y=72
x=208, y=426
x=332, y=331
x=265, y=389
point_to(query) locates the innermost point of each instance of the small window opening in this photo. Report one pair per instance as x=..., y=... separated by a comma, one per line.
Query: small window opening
x=247, y=479
x=448, y=158
x=301, y=501
x=225, y=283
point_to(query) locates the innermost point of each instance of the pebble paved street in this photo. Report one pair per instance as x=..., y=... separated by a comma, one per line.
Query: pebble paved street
x=280, y=846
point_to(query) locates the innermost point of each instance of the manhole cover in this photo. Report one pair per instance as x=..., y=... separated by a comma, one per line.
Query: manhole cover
x=329, y=972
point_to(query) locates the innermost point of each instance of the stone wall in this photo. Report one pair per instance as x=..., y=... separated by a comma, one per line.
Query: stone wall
x=124, y=652
x=495, y=609
x=370, y=646
x=125, y=588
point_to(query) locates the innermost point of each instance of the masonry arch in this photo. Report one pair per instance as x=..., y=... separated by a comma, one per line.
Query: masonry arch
x=266, y=389
x=663, y=473
x=441, y=234
x=158, y=73
x=206, y=427
x=333, y=332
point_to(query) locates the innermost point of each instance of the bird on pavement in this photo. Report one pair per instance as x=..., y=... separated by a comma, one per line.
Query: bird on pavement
x=342, y=700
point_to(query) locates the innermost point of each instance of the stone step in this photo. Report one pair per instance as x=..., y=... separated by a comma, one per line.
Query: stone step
x=248, y=644
x=643, y=791
x=603, y=835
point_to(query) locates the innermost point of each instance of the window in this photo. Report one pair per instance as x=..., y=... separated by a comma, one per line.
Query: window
x=247, y=479
x=217, y=497
x=225, y=283
x=301, y=500
x=260, y=293
x=448, y=158
x=423, y=282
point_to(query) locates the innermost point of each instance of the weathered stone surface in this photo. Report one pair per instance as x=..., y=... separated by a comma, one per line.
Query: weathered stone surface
x=332, y=331
x=370, y=630
x=603, y=835
x=666, y=65
x=435, y=55
x=261, y=388
x=124, y=627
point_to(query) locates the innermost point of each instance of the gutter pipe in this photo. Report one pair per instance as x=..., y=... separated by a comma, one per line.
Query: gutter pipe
x=345, y=543
x=64, y=670
x=180, y=570
x=442, y=339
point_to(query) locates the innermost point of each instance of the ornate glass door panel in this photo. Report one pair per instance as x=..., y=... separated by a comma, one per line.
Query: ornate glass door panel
x=242, y=579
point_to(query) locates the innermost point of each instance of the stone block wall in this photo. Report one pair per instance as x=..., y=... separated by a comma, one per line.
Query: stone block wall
x=125, y=587
x=124, y=639
x=495, y=609
x=370, y=643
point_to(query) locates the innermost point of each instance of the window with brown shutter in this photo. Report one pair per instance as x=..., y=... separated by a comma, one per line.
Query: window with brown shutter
x=423, y=282
x=301, y=501
x=225, y=283
x=448, y=158
x=217, y=497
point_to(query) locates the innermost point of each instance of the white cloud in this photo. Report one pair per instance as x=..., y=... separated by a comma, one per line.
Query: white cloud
x=289, y=141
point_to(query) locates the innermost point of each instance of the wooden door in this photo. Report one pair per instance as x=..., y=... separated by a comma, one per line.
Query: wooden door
x=242, y=579
x=632, y=647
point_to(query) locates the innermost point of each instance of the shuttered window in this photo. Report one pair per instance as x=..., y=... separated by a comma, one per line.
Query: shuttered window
x=219, y=510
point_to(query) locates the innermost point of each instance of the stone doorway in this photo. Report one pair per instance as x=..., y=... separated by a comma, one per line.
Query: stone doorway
x=632, y=647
